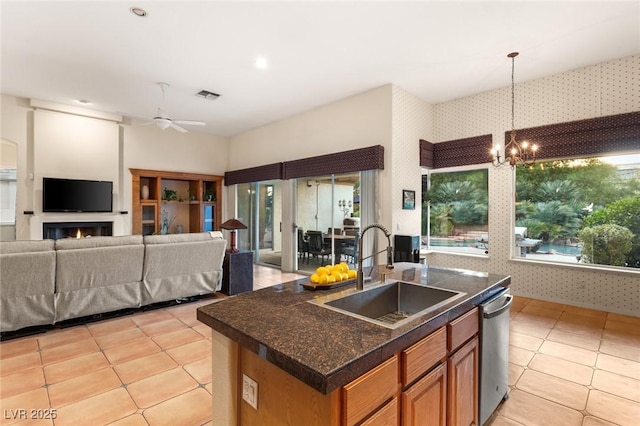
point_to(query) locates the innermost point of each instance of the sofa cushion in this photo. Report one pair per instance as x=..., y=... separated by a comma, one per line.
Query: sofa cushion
x=98, y=274
x=26, y=246
x=181, y=265
x=96, y=242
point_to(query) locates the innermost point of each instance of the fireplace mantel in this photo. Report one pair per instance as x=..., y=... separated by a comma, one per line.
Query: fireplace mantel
x=58, y=230
x=120, y=223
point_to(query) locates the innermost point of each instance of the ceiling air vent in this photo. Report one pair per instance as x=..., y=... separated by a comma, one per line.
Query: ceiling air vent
x=208, y=95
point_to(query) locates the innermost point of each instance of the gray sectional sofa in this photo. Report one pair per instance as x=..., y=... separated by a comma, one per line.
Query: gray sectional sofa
x=45, y=282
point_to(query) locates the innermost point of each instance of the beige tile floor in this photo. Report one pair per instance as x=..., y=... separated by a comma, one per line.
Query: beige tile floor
x=571, y=366
x=567, y=366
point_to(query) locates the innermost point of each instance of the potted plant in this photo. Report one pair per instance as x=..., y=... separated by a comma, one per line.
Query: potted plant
x=170, y=194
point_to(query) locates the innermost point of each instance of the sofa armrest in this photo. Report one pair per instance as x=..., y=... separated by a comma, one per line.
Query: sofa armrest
x=27, y=284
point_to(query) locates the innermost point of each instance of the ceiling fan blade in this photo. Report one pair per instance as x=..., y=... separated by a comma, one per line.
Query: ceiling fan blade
x=178, y=128
x=190, y=122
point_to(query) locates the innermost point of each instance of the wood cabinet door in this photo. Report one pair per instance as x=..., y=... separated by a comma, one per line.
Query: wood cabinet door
x=425, y=403
x=386, y=416
x=462, y=389
x=368, y=392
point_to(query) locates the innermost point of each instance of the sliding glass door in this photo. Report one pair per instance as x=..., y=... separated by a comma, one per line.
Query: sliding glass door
x=327, y=213
x=260, y=208
x=327, y=219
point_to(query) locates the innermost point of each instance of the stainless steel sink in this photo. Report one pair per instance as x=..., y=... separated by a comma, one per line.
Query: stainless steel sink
x=388, y=304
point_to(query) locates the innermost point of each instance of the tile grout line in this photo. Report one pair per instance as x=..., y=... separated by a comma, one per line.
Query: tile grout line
x=594, y=368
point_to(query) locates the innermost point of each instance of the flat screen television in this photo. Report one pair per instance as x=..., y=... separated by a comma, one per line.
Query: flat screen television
x=74, y=195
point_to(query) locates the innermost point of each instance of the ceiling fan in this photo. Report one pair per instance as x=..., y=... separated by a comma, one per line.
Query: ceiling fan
x=164, y=122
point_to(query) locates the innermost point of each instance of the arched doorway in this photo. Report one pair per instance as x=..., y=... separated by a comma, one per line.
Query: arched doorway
x=8, y=189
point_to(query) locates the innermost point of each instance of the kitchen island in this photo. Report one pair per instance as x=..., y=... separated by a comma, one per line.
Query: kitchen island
x=313, y=365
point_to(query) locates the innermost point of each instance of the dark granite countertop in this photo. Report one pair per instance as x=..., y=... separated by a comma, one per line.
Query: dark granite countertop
x=327, y=349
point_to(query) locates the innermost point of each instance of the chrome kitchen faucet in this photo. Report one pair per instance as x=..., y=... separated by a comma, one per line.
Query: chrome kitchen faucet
x=360, y=277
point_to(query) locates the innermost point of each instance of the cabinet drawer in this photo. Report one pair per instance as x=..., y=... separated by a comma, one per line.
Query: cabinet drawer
x=461, y=329
x=366, y=393
x=420, y=357
x=386, y=416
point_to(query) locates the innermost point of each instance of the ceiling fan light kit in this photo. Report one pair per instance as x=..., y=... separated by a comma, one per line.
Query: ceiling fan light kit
x=163, y=122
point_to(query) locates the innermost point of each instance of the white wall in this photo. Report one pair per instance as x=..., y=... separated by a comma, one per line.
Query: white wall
x=8, y=163
x=355, y=122
x=8, y=155
x=151, y=148
x=75, y=147
x=56, y=144
x=14, y=125
x=316, y=211
x=604, y=89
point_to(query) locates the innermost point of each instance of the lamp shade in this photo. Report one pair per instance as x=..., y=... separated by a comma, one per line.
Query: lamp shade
x=233, y=224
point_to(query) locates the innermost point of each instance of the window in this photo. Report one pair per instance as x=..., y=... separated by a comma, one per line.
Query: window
x=455, y=211
x=8, y=200
x=580, y=211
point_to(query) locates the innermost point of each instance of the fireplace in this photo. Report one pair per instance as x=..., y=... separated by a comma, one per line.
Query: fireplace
x=58, y=230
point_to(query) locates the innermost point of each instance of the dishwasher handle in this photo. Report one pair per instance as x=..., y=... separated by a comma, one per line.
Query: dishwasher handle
x=501, y=309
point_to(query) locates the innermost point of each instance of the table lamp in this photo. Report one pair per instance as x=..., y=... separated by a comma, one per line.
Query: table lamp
x=233, y=225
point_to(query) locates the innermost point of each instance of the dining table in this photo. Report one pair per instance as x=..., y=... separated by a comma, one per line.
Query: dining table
x=338, y=241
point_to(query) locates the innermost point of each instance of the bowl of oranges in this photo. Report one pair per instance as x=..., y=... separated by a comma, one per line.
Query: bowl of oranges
x=331, y=276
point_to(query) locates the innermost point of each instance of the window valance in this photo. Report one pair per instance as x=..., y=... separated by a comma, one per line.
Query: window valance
x=354, y=160
x=594, y=136
x=459, y=152
x=254, y=174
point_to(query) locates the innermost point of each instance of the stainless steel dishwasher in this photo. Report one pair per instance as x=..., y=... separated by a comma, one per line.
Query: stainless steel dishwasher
x=494, y=352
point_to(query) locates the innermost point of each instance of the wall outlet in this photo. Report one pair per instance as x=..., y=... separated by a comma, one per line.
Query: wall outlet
x=250, y=391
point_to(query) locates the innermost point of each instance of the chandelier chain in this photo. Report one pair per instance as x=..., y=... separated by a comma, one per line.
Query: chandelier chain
x=514, y=152
x=513, y=92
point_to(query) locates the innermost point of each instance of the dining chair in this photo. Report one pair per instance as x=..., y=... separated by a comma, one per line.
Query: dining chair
x=316, y=245
x=303, y=245
x=350, y=249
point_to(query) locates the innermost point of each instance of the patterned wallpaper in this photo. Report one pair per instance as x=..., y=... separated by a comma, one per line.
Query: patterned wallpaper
x=604, y=89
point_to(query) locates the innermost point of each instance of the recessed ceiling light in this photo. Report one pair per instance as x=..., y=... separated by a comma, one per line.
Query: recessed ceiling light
x=83, y=101
x=138, y=11
x=261, y=62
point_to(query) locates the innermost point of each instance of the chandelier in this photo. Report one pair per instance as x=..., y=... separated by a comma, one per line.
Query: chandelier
x=515, y=153
x=345, y=206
